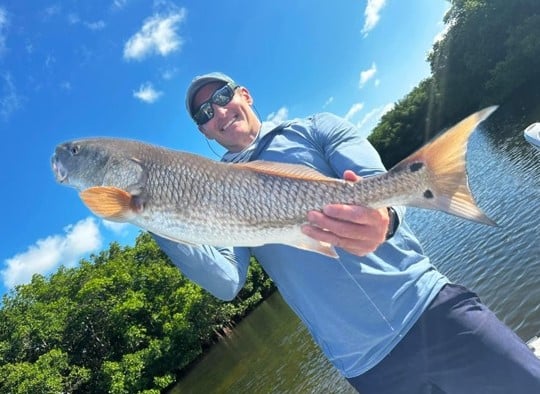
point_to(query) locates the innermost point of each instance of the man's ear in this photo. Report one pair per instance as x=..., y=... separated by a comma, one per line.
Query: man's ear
x=246, y=95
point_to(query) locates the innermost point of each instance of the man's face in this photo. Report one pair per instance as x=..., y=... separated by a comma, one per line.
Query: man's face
x=234, y=125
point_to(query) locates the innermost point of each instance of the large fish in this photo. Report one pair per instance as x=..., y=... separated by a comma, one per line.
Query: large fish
x=191, y=199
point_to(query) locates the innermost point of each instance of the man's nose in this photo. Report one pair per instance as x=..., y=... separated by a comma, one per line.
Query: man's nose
x=219, y=110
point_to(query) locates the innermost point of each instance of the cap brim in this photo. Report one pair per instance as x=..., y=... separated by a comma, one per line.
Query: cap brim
x=200, y=81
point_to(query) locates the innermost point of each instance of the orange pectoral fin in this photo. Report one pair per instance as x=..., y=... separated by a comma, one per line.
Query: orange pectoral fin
x=108, y=202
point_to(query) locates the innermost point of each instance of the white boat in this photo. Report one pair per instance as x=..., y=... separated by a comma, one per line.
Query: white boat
x=534, y=345
x=532, y=134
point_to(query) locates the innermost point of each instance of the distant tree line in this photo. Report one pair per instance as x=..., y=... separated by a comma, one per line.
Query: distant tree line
x=121, y=322
x=125, y=320
x=489, y=55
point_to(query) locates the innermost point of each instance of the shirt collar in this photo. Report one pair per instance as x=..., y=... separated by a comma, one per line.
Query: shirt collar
x=245, y=154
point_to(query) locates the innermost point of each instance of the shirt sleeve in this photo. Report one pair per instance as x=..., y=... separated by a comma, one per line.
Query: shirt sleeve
x=221, y=271
x=346, y=149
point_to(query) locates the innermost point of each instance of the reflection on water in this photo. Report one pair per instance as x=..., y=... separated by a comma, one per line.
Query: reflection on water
x=271, y=352
x=501, y=264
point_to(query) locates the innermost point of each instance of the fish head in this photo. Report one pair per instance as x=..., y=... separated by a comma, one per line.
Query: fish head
x=81, y=163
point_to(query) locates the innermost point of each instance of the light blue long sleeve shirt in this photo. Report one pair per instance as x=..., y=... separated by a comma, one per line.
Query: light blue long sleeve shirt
x=356, y=308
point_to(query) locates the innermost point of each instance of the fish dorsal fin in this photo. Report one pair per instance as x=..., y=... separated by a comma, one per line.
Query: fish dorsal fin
x=296, y=171
x=110, y=203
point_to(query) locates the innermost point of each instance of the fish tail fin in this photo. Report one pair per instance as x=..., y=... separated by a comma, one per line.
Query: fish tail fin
x=446, y=164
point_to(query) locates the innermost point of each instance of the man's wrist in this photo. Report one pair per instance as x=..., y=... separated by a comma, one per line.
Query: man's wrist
x=393, y=222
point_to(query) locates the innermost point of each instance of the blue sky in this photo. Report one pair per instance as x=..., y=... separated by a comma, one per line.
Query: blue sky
x=71, y=69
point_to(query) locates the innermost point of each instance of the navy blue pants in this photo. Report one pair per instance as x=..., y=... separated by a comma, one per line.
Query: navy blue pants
x=457, y=346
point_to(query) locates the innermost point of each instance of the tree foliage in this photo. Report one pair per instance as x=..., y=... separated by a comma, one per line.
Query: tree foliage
x=489, y=53
x=126, y=319
x=122, y=322
x=402, y=130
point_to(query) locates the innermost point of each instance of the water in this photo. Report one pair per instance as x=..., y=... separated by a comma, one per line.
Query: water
x=272, y=352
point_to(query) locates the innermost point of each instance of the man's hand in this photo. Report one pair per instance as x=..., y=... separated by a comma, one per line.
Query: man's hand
x=357, y=229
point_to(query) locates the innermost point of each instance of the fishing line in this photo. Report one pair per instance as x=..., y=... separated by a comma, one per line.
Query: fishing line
x=212, y=149
x=385, y=319
x=208, y=141
x=257, y=112
x=367, y=296
x=379, y=312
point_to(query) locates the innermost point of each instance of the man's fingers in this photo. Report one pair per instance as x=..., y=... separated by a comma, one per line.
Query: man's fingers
x=350, y=176
x=349, y=213
x=355, y=246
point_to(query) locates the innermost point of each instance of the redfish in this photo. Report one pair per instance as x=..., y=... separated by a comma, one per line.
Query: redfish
x=191, y=199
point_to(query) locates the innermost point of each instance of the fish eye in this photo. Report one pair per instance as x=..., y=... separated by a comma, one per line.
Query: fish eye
x=74, y=149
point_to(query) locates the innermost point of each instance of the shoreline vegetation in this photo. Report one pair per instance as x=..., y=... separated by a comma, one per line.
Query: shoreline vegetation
x=127, y=321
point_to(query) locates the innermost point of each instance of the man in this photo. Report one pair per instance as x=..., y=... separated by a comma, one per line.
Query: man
x=382, y=314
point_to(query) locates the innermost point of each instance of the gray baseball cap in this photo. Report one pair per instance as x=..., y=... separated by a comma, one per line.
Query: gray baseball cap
x=201, y=80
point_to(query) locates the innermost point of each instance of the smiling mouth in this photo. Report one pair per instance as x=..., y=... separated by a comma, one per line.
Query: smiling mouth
x=229, y=123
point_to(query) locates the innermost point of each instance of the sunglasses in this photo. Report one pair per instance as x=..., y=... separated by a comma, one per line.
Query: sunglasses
x=221, y=97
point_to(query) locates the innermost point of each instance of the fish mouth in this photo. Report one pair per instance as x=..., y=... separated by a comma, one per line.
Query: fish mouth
x=59, y=170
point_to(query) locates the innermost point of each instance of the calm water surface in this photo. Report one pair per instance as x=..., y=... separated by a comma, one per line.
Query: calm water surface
x=271, y=351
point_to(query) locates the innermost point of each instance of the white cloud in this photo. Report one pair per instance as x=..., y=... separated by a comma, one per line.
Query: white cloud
x=370, y=120
x=277, y=117
x=328, y=102
x=65, y=85
x=169, y=73
x=116, y=227
x=52, y=10
x=368, y=74
x=10, y=100
x=46, y=255
x=372, y=14
x=357, y=107
x=119, y=3
x=3, y=28
x=440, y=35
x=157, y=36
x=98, y=25
x=147, y=93
x=50, y=60
x=445, y=27
x=73, y=19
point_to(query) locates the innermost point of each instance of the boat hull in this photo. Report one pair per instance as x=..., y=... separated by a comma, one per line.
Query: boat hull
x=532, y=134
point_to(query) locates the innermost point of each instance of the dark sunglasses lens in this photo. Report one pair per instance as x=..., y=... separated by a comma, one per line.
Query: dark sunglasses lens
x=204, y=114
x=223, y=96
